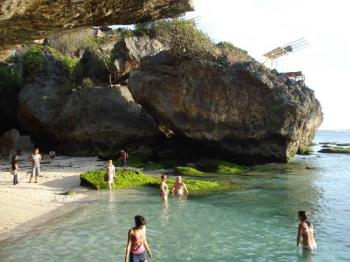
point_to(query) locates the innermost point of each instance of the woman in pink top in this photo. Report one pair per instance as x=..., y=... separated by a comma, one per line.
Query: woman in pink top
x=137, y=244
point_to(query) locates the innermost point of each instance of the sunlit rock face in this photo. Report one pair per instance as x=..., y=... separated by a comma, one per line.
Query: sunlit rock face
x=242, y=110
x=27, y=20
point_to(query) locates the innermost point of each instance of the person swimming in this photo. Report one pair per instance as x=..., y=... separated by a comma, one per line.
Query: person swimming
x=305, y=236
x=137, y=244
x=179, y=188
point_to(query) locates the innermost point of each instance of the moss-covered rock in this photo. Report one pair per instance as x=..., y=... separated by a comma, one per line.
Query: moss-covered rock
x=335, y=150
x=187, y=171
x=343, y=144
x=229, y=168
x=130, y=178
x=305, y=151
x=217, y=166
x=124, y=179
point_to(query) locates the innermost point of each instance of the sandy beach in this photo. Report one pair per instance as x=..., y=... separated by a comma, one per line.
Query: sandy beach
x=26, y=201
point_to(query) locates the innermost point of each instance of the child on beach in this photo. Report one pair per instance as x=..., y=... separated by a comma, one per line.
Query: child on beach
x=110, y=170
x=14, y=171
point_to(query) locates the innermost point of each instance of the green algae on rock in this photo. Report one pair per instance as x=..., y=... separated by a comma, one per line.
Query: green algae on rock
x=187, y=171
x=335, y=150
x=130, y=178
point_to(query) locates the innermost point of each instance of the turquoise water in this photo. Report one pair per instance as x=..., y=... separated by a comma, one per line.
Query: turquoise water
x=257, y=223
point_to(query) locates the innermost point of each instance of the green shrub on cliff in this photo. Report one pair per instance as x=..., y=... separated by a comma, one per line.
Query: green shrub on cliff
x=33, y=60
x=232, y=52
x=183, y=38
x=68, y=62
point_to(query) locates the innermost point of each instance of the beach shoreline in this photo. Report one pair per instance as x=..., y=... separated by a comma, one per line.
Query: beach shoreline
x=27, y=205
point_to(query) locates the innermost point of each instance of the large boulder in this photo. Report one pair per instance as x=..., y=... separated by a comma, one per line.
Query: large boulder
x=85, y=121
x=240, y=110
x=8, y=142
x=128, y=53
x=23, y=21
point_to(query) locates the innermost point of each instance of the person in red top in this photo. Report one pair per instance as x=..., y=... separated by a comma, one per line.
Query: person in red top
x=137, y=244
x=124, y=159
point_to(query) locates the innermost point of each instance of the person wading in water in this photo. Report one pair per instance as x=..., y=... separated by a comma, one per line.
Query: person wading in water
x=305, y=236
x=137, y=245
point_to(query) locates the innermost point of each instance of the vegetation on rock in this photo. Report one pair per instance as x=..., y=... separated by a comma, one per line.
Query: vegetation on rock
x=187, y=171
x=305, y=151
x=33, y=61
x=130, y=178
x=218, y=166
x=229, y=168
x=335, y=150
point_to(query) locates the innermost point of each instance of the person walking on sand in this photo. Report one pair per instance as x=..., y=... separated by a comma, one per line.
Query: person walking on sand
x=110, y=170
x=36, y=158
x=137, y=245
x=14, y=171
x=305, y=236
x=179, y=188
x=164, y=189
x=124, y=159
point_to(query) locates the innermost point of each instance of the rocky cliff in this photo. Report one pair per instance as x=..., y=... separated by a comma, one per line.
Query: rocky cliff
x=24, y=21
x=180, y=92
x=239, y=110
x=87, y=120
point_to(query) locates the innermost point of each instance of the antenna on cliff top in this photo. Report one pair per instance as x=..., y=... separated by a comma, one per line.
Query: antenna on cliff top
x=286, y=49
x=278, y=52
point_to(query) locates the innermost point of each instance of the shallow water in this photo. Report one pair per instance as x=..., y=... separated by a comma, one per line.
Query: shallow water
x=257, y=223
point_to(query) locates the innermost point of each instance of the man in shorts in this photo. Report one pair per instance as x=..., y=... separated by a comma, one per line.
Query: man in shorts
x=124, y=159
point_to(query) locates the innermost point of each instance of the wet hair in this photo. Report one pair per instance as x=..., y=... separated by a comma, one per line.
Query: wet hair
x=303, y=216
x=163, y=176
x=140, y=221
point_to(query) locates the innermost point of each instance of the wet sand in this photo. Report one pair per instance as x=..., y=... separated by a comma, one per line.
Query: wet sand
x=26, y=202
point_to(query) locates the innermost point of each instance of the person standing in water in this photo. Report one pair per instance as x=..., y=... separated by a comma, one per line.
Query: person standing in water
x=124, y=159
x=137, y=244
x=36, y=158
x=305, y=236
x=164, y=189
x=179, y=188
x=14, y=171
x=110, y=170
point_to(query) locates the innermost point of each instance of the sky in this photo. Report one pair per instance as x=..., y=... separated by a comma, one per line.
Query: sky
x=259, y=26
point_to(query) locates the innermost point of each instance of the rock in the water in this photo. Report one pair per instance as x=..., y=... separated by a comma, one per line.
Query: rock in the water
x=91, y=120
x=23, y=21
x=128, y=52
x=241, y=110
